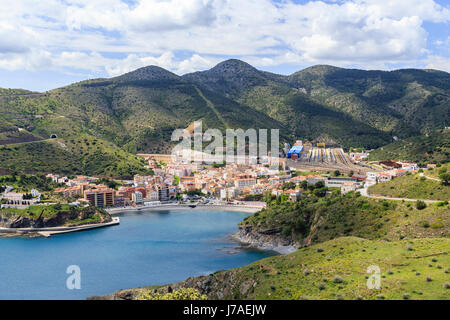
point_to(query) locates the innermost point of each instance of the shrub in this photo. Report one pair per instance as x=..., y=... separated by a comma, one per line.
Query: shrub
x=321, y=286
x=181, y=294
x=406, y=296
x=429, y=279
x=425, y=224
x=420, y=205
x=286, y=232
x=337, y=279
x=446, y=285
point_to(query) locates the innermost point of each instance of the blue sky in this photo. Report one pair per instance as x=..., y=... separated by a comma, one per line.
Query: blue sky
x=51, y=43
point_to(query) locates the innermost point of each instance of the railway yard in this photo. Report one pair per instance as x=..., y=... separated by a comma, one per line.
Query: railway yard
x=325, y=159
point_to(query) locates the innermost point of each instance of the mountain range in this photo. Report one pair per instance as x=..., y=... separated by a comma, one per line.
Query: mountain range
x=99, y=124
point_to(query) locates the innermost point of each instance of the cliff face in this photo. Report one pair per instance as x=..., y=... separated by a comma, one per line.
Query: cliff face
x=269, y=239
x=60, y=219
x=218, y=286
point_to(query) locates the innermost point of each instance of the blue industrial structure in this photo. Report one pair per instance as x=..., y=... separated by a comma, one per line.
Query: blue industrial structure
x=296, y=149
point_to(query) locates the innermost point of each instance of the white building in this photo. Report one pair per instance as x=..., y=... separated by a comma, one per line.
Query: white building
x=228, y=193
x=137, y=197
x=244, y=183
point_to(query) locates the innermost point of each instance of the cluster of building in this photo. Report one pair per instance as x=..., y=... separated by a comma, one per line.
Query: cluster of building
x=18, y=199
x=186, y=180
x=139, y=191
x=391, y=170
x=183, y=181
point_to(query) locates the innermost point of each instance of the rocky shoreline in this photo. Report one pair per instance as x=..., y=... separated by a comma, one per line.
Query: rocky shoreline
x=65, y=221
x=219, y=285
x=264, y=240
x=222, y=284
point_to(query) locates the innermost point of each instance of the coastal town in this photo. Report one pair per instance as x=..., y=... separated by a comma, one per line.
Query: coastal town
x=183, y=182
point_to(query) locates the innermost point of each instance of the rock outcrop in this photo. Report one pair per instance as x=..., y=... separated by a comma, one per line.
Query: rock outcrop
x=269, y=239
x=60, y=219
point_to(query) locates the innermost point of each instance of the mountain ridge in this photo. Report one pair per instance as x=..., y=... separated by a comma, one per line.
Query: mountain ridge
x=138, y=111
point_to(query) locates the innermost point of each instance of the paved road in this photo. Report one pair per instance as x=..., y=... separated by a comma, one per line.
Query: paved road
x=29, y=142
x=365, y=193
x=430, y=178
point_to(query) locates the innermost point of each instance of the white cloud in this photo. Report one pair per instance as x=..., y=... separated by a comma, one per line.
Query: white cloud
x=147, y=15
x=81, y=34
x=438, y=63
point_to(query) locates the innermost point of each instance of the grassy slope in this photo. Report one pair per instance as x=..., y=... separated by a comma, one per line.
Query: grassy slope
x=24, y=183
x=283, y=277
x=82, y=154
x=412, y=187
x=81, y=215
x=432, y=149
x=349, y=233
x=350, y=215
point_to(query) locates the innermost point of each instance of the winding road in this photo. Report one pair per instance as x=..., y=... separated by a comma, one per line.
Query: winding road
x=364, y=192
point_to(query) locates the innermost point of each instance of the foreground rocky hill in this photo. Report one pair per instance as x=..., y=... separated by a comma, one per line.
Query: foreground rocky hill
x=336, y=269
x=335, y=240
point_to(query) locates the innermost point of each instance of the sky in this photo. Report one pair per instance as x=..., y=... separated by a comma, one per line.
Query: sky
x=47, y=44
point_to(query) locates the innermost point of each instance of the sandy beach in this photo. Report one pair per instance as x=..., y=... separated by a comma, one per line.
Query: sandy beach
x=171, y=206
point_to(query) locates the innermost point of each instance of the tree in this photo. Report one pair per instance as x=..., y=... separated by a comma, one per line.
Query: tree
x=319, y=185
x=288, y=185
x=321, y=192
x=304, y=185
x=195, y=193
x=445, y=177
x=337, y=173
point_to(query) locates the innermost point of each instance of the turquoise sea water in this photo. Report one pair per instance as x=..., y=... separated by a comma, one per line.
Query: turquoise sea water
x=147, y=248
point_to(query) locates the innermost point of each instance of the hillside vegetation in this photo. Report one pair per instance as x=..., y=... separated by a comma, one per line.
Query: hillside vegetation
x=82, y=154
x=412, y=186
x=334, y=270
x=138, y=111
x=433, y=148
x=340, y=237
x=315, y=220
x=58, y=215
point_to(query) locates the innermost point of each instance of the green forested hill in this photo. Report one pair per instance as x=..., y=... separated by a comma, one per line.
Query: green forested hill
x=138, y=111
x=398, y=103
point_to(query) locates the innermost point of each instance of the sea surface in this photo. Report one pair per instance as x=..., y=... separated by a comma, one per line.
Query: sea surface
x=147, y=248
